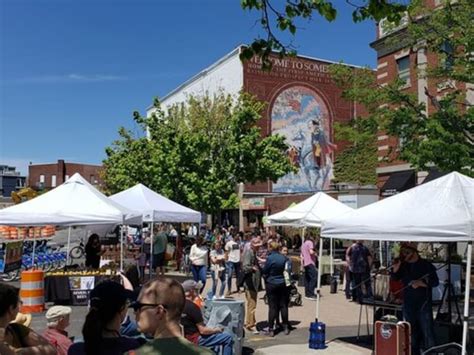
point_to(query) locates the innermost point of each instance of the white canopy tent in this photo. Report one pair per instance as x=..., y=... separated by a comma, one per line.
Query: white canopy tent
x=74, y=203
x=441, y=210
x=155, y=207
x=309, y=213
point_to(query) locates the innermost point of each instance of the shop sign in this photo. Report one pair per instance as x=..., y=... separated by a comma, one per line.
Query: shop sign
x=12, y=257
x=254, y=203
x=80, y=287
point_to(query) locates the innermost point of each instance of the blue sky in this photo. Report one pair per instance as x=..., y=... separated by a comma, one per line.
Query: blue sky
x=72, y=72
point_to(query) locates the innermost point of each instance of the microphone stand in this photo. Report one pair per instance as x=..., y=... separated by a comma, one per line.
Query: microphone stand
x=422, y=278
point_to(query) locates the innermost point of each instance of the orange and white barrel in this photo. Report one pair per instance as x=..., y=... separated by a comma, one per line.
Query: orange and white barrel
x=32, y=291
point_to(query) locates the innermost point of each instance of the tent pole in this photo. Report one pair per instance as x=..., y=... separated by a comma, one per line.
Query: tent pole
x=122, y=231
x=331, y=250
x=151, y=250
x=68, y=244
x=34, y=250
x=380, y=253
x=466, y=299
x=319, y=276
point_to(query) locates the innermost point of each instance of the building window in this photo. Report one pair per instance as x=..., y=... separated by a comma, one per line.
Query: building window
x=41, y=179
x=403, y=66
x=92, y=180
x=448, y=51
x=53, y=180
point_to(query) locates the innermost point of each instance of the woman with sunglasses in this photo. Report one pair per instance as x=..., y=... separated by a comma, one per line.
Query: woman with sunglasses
x=108, y=308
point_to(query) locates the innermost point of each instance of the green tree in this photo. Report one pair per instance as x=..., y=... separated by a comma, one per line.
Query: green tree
x=198, y=152
x=445, y=138
x=284, y=17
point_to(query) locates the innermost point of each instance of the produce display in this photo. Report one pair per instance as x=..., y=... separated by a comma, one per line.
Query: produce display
x=107, y=272
x=14, y=233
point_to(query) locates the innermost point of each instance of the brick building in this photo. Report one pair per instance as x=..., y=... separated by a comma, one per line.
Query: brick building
x=48, y=176
x=397, y=57
x=303, y=103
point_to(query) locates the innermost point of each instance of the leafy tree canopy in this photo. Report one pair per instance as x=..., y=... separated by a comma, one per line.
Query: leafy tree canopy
x=198, y=152
x=282, y=16
x=444, y=138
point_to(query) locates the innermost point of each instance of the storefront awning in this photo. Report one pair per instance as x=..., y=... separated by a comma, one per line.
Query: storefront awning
x=433, y=174
x=398, y=182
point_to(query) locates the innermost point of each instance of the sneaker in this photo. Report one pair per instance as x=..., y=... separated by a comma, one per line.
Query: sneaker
x=311, y=298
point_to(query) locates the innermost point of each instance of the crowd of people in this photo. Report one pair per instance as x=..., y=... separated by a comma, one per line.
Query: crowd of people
x=169, y=315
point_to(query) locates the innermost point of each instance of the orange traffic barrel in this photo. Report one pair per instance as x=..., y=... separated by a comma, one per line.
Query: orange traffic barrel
x=32, y=291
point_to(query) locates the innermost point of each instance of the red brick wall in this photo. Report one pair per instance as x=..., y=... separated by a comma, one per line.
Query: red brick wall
x=295, y=71
x=61, y=169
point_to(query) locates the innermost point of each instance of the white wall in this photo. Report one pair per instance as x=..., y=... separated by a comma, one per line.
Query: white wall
x=226, y=75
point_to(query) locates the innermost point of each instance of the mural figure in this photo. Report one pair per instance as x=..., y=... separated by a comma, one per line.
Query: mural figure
x=302, y=117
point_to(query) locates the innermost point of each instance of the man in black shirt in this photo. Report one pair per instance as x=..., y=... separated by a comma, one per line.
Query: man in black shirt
x=194, y=328
x=418, y=277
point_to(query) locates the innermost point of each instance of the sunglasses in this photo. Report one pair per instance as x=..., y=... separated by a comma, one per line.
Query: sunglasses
x=137, y=306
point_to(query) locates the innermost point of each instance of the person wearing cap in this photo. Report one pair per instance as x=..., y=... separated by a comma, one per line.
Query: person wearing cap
x=57, y=318
x=158, y=311
x=251, y=282
x=418, y=277
x=15, y=337
x=108, y=307
x=194, y=328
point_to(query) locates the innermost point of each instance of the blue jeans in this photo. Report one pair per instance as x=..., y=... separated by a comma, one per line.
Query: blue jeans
x=215, y=341
x=199, y=274
x=222, y=277
x=422, y=328
x=310, y=280
x=230, y=268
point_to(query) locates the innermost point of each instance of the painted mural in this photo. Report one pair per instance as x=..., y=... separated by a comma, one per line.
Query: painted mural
x=300, y=114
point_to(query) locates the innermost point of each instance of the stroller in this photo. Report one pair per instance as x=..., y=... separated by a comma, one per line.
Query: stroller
x=295, y=297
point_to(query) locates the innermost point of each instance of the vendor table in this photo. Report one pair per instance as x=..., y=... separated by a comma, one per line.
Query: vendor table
x=71, y=289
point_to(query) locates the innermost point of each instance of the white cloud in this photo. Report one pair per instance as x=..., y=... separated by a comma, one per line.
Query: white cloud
x=67, y=78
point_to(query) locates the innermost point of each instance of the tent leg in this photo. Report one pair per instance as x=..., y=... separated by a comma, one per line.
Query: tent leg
x=33, y=254
x=319, y=276
x=331, y=266
x=121, y=247
x=466, y=299
x=68, y=244
x=151, y=250
x=381, y=253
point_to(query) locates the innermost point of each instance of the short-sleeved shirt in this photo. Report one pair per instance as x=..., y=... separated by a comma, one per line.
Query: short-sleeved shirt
x=59, y=339
x=171, y=346
x=159, y=243
x=359, y=258
x=233, y=248
x=217, y=254
x=308, y=259
x=190, y=317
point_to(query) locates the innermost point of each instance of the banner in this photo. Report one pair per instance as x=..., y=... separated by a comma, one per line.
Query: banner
x=80, y=287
